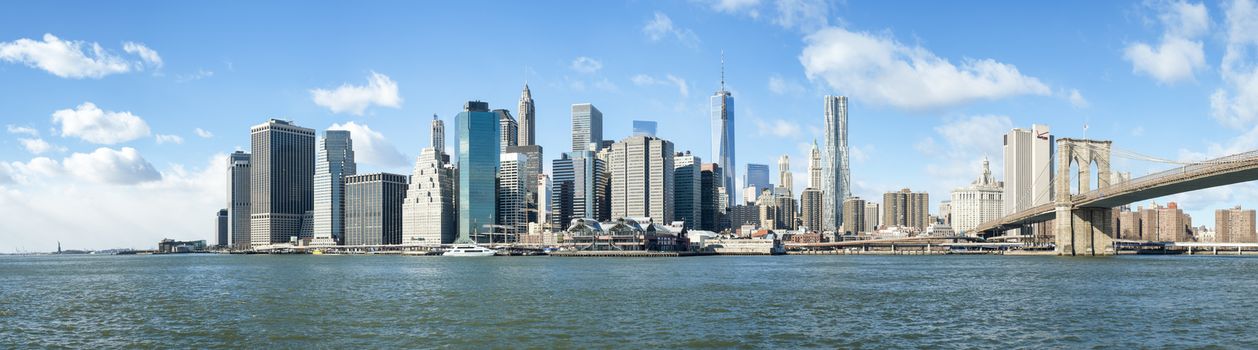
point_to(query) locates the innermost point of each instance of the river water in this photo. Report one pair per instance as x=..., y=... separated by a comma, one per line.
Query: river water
x=303, y=301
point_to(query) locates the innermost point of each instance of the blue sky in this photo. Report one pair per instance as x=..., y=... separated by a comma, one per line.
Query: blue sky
x=125, y=145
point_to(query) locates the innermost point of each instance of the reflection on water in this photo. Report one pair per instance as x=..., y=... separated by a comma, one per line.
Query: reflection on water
x=216, y=301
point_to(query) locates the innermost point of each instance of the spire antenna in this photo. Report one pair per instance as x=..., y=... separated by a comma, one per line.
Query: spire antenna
x=722, y=70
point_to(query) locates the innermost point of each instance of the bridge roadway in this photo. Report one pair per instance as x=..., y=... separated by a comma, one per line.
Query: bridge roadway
x=1221, y=171
x=391, y=247
x=934, y=240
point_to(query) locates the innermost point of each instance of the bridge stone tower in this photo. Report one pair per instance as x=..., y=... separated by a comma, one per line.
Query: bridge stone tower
x=1082, y=231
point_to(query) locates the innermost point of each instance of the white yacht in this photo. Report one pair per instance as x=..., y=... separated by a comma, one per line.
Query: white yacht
x=469, y=250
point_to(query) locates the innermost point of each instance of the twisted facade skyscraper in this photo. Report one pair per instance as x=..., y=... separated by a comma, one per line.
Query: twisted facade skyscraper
x=835, y=179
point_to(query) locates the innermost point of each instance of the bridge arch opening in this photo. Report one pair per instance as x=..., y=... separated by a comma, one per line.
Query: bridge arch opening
x=1074, y=184
x=1094, y=173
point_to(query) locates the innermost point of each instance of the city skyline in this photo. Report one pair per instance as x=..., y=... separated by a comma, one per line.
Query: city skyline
x=179, y=145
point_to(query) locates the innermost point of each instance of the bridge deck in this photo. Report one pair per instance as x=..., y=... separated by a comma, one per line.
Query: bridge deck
x=1221, y=171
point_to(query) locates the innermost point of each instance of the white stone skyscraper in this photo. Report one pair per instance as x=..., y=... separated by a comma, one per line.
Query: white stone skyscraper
x=834, y=179
x=510, y=129
x=642, y=171
x=978, y=203
x=814, y=167
x=334, y=160
x=513, y=192
x=428, y=212
x=281, y=177
x=722, y=109
x=438, y=135
x=527, y=118
x=238, y=200
x=785, y=179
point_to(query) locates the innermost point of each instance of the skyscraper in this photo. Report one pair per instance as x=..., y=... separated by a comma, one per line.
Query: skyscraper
x=722, y=110
x=587, y=126
x=543, y=201
x=814, y=167
x=1028, y=168
x=834, y=179
x=334, y=160
x=853, y=215
x=530, y=169
x=755, y=181
x=785, y=179
x=1166, y=224
x=512, y=193
x=238, y=200
x=220, y=227
x=871, y=216
x=978, y=203
x=644, y=128
x=687, y=186
x=281, y=177
x=438, y=135
x=510, y=130
x=373, y=208
x=428, y=212
x=478, y=153
x=642, y=180
x=1234, y=225
x=528, y=119
x=906, y=209
x=710, y=196
x=810, y=209
x=575, y=188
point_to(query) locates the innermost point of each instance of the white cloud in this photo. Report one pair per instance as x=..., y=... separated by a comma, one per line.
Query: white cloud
x=643, y=80
x=1077, y=100
x=202, y=133
x=883, y=70
x=81, y=214
x=69, y=58
x=1172, y=61
x=738, y=6
x=198, y=75
x=21, y=130
x=37, y=169
x=1137, y=131
x=175, y=139
x=859, y=154
x=371, y=147
x=806, y=15
x=661, y=27
x=683, y=88
x=149, y=56
x=1180, y=52
x=781, y=86
x=109, y=166
x=802, y=15
x=39, y=146
x=94, y=125
x=957, y=158
x=1245, y=142
x=779, y=128
x=1236, y=105
x=586, y=65
x=380, y=91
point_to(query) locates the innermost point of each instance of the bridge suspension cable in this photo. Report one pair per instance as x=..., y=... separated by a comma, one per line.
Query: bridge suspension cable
x=1133, y=155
